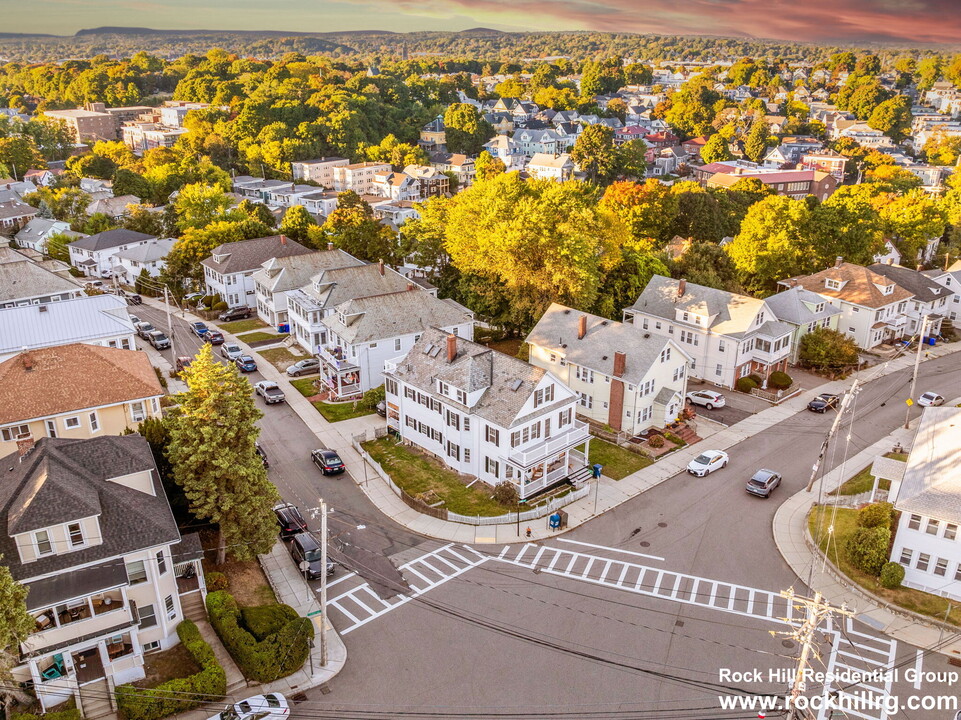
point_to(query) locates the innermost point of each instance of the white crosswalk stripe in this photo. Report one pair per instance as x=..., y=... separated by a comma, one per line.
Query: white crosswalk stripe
x=359, y=605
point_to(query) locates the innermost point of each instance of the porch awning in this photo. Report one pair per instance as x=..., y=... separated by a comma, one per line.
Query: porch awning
x=75, y=584
x=665, y=396
x=189, y=548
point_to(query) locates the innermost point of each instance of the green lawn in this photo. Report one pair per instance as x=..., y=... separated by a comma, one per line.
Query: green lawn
x=241, y=326
x=862, y=482
x=416, y=473
x=305, y=386
x=335, y=412
x=281, y=358
x=618, y=463
x=253, y=337
x=833, y=545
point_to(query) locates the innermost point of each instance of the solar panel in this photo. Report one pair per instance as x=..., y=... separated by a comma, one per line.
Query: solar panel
x=435, y=351
x=516, y=384
x=428, y=349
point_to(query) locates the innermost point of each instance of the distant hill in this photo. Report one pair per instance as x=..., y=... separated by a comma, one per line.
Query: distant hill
x=482, y=32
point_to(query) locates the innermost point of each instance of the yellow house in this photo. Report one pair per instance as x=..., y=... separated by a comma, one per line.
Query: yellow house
x=75, y=391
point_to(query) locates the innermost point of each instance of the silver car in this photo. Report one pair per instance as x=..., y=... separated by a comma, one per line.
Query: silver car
x=231, y=351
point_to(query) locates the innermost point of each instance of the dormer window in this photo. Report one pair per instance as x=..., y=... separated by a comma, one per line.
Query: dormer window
x=443, y=388
x=819, y=308
x=832, y=284
x=887, y=289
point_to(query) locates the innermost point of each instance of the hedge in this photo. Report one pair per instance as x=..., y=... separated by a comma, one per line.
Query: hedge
x=876, y=515
x=68, y=713
x=779, y=380
x=867, y=548
x=180, y=694
x=745, y=384
x=269, y=657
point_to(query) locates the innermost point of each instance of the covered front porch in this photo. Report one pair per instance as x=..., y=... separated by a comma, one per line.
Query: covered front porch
x=548, y=463
x=338, y=375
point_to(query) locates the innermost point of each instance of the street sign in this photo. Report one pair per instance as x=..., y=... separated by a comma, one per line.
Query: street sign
x=910, y=402
x=315, y=612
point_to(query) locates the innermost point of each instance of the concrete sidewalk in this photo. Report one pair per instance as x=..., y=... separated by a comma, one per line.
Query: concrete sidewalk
x=606, y=495
x=793, y=541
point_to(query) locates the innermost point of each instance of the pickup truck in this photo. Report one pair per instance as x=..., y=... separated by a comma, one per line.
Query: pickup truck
x=270, y=392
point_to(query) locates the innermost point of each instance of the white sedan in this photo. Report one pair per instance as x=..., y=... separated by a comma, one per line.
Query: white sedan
x=258, y=707
x=930, y=399
x=707, y=398
x=707, y=462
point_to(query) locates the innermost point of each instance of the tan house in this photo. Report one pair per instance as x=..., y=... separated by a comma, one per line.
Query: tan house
x=75, y=391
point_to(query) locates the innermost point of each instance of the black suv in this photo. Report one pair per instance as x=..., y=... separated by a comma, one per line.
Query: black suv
x=305, y=548
x=290, y=520
x=237, y=313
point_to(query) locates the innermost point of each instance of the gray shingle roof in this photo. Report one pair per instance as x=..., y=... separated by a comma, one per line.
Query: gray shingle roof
x=150, y=251
x=557, y=331
x=789, y=306
x=509, y=381
x=39, y=228
x=294, y=271
x=342, y=284
x=924, y=288
x=110, y=239
x=76, y=583
x=247, y=255
x=380, y=317
x=932, y=479
x=63, y=480
x=27, y=280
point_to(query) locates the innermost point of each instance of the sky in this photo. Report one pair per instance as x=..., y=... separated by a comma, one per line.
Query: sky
x=829, y=21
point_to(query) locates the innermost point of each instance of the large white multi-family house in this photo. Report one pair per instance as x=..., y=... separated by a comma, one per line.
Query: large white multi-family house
x=96, y=255
x=728, y=336
x=25, y=282
x=229, y=270
x=281, y=275
x=873, y=307
x=88, y=530
x=507, y=151
x=950, y=280
x=34, y=234
x=929, y=500
x=485, y=414
x=930, y=297
x=320, y=171
x=624, y=377
x=149, y=256
x=804, y=311
x=365, y=332
x=94, y=320
x=551, y=167
x=308, y=306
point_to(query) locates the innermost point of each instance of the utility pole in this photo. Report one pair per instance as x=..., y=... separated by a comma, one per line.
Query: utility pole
x=914, y=377
x=323, y=584
x=170, y=329
x=816, y=610
x=834, y=427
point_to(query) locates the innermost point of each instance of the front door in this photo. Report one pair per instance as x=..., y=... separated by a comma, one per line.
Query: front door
x=88, y=665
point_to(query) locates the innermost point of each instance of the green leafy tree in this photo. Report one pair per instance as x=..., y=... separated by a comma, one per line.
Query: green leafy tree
x=867, y=549
x=96, y=223
x=15, y=625
x=128, y=182
x=699, y=215
x=296, y=223
x=466, y=131
x=942, y=149
x=20, y=154
x=422, y=238
x=183, y=260
x=487, y=166
x=630, y=159
x=57, y=247
x=755, y=144
x=892, y=117
x=594, y=153
x=353, y=229
x=212, y=451
x=693, y=107
x=638, y=74
x=705, y=263
x=827, y=349
x=912, y=220
x=198, y=205
x=716, y=149
x=141, y=218
x=257, y=212
x=648, y=209
x=623, y=283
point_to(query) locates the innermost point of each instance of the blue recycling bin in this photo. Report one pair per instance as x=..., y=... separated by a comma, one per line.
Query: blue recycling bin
x=596, y=471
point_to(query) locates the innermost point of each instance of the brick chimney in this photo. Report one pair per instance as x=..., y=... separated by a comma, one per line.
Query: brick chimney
x=681, y=287
x=330, y=246
x=451, y=348
x=24, y=444
x=283, y=239
x=890, y=261
x=793, y=282
x=837, y=261
x=27, y=361
x=380, y=266
x=581, y=327
x=620, y=364
x=410, y=286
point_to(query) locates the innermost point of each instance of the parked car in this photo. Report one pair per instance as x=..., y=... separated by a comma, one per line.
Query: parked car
x=290, y=520
x=183, y=362
x=214, y=337
x=235, y=313
x=262, y=455
x=824, y=402
x=135, y=320
x=231, y=351
x=707, y=398
x=134, y=299
x=158, y=340
x=144, y=329
x=930, y=399
x=328, y=461
x=270, y=392
x=96, y=284
x=193, y=298
x=381, y=408
x=707, y=462
x=304, y=367
x=763, y=482
x=272, y=706
x=305, y=548
x=199, y=328
x=245, y=364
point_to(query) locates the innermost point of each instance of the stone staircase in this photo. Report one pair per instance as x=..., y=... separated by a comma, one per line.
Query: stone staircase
x=687, y=434
x=95, y=700
x=193, y=606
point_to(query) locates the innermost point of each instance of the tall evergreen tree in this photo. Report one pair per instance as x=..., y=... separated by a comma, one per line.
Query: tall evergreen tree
x=15, y=625
x=212, y=450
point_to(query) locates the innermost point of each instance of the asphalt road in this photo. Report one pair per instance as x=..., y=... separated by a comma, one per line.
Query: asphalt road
x=505, y=638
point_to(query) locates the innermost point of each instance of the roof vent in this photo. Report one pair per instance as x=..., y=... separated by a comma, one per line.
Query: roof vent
x=564, y=346
x=604, y=322
x=604, y=357
x=427, y=349
x=646, y=335
x=567, y=311
x=42, y=308
x=516, y=384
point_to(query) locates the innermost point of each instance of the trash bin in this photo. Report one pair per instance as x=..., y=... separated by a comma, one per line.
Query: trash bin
x=596, y=471
x=554, y=521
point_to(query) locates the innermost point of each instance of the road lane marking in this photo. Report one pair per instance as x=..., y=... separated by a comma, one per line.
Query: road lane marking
x=602, y=547
x=919, y=658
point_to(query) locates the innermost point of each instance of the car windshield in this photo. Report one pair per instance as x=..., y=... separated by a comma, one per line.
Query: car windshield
x=272, y=701
x=312, y=556
x=755, y=481
x=332, y=459
x=228, y=714
x=702, y=459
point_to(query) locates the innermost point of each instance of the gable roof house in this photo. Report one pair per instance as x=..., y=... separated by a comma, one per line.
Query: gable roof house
x=88, y=530
x=365, y=332
x=75, y=391
x=805, y=311
x=950, y=280
x=872, y=306
x=624, y=377
x=484, y=413
x=25, y=282
x=14, y=215
x=229, y=270
x=930, y=297
x=113, y=207
x=552, y=167
x=94, y=319
x=95, y=255
x=35, y=233
x=727, y=335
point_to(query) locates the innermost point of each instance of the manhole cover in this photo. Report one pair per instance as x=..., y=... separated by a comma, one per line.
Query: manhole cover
x=645, y=543
x=635, y=531
x=788, y=643
x=678, y=623
x=325, y=689
x=662, y=524
x=300, y=697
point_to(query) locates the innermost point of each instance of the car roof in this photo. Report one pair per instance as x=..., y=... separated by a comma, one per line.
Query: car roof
x=930, y=395
x=763, y=474
x=307, y=541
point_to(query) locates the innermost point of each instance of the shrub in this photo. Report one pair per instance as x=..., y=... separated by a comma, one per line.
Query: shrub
x=215, y=581
x=220, y=306
x=373, y=396
x=506, y=493
x=674, y=439
x=179, y=694
x=745, y=384
x=656, y=441
x=892, y=575
x=868, y=549
x=827, y=349
x=69, y=712
x=779, y=380
x=160, y=377
x=876, y=515
x=265, y=620
x=756, y=378
x=274, y=656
